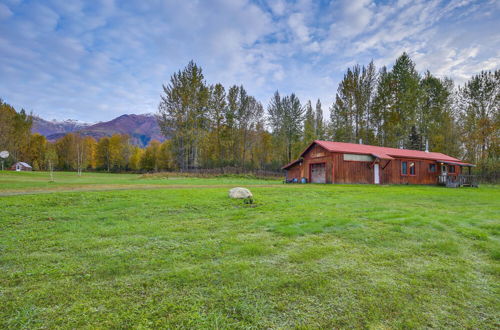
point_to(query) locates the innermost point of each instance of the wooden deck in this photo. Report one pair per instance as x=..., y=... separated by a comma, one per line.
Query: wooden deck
x=457, y=181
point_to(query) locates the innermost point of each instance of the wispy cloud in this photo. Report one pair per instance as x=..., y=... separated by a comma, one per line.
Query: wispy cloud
x=96, y=60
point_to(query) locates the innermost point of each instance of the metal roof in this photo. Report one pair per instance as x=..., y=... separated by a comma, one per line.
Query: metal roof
x=381, y=152
x=23, y=164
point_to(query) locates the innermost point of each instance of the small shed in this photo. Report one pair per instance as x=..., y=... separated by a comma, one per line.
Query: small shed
x=21, y=166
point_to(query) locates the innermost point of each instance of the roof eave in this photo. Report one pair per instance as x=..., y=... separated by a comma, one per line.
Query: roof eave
x=459, y=163
x=291, y=164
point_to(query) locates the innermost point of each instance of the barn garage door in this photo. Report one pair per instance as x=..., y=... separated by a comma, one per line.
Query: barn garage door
x=318, y=173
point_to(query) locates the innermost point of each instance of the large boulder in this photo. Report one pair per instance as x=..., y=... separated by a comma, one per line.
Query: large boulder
x=239, y=192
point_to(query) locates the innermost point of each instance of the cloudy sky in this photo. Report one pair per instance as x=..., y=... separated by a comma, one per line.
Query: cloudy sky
x=95, y=60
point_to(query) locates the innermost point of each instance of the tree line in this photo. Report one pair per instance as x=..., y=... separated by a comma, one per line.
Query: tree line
x=211, y=126
x=75, y=152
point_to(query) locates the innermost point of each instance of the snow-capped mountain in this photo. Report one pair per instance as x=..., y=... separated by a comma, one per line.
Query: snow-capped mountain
x=141, y=128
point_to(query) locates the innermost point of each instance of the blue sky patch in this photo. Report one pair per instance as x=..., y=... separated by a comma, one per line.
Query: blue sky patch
x=95, y=60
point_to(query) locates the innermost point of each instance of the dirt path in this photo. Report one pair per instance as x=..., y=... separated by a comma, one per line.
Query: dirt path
x=110, y=187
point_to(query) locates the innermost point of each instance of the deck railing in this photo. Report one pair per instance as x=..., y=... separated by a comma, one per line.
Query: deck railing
x=458, y=180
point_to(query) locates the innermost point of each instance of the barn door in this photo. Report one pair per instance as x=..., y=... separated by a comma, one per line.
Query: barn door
x=376, y=174
x=318, y=173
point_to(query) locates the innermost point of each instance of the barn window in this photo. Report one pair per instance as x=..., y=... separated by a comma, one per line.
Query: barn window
x=451, y=169
x=404, y=168
x=432, y=168
x=412, y=168
x=408, y=168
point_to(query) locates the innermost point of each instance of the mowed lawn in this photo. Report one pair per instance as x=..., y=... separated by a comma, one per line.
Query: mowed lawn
x=302, y=256
x=20, y=182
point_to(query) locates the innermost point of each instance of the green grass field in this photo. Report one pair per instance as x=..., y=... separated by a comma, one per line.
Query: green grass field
x=19, y=182
x=124, y=251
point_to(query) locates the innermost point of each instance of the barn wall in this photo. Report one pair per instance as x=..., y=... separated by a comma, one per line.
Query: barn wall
x=317, y=154
x=362, y=172
x=392, y=173
x=339, y=170
x=351, y=171
x=293, y=172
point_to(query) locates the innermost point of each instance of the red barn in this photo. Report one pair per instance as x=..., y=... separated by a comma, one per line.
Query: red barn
x=339, y=162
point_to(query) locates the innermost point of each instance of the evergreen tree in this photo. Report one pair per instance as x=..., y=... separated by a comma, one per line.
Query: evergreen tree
x=380, y=119
x=407, y=94
x=275, y=111
x=342, y=111
x=414, y=139
x=319, y=124
x=309, y=125
x=293, y=116
x=396, y=105
x=368, y=83
x=276, y=123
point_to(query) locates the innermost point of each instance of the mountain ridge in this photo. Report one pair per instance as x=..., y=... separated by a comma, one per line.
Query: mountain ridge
x=142, y=128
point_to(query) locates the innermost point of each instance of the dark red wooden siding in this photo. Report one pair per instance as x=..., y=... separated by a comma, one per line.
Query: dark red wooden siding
x=351, y=171
x=340, y=171
x=317, y=154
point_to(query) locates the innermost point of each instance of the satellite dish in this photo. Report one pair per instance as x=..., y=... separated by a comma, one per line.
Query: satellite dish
x=4, y=154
